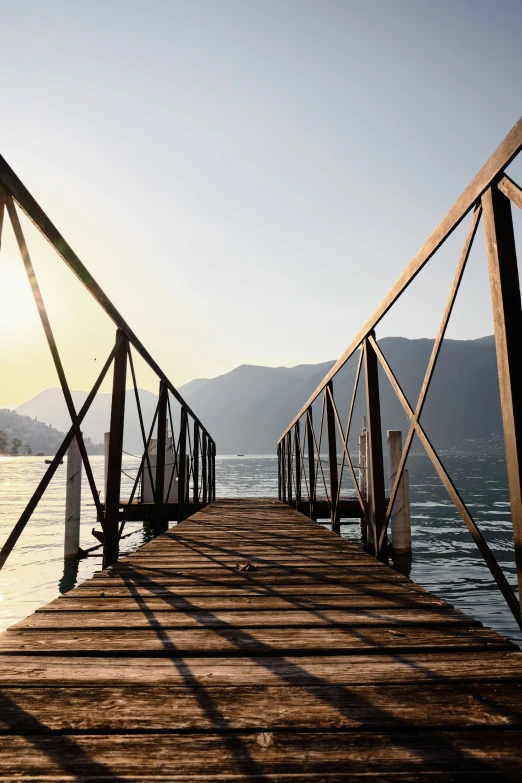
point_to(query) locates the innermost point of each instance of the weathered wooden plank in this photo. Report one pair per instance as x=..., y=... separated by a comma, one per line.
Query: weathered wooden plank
x=459, y=755
x=413, y=668
x=212, y=708
x=111, y=588
x=178, y=618
x=234, y=640
x=121, y=600
x=222, y=576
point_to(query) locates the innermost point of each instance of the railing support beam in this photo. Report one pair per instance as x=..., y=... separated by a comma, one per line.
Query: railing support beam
x=311, y=460
x=376, y=462
x=507, y=318
x=161, y=447
x=112, y=500
x=283, y=469
x=297, y=447
x=195, y=469
x=204, y=468
x=182, y=452
x=289, y=467
x=279, y=478
x=332, y=458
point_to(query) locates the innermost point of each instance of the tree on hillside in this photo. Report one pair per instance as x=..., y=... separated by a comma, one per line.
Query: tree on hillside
x=27, y=449
x=16, y=445
x=4, y=442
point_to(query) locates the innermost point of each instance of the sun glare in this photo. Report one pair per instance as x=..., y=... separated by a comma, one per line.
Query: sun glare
x=18, y=305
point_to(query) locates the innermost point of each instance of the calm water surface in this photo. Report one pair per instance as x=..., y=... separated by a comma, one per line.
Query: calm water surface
x=445, y=558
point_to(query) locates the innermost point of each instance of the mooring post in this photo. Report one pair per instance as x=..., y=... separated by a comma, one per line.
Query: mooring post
x=160, y=522
x=311, y=460
x=112, y=499
x=400, y=517
x=332, y=458
x=195, y=472
x=289, y=467
x=182, y=451
x=376, y=463
x=507, y=319
x=73, y=500
x=297, y=447
x=204, y=466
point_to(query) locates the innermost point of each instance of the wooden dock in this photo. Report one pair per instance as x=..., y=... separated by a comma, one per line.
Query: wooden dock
x=321, y=665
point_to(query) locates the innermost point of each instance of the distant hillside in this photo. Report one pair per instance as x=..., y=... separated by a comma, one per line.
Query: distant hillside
x=40, y=437
x=49, y=406
x=247, y=409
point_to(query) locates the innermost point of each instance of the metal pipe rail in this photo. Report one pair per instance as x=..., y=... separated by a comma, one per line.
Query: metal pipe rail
x=198, y=450
x=490, y=196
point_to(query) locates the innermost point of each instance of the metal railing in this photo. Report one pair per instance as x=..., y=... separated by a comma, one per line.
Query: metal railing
x=489, y=196
x=196, y=452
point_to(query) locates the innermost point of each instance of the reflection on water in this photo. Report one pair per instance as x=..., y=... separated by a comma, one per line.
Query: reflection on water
x=445, y=558
x=69, y=578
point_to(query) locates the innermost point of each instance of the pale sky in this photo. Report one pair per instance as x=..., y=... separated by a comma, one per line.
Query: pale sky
x=245, y=178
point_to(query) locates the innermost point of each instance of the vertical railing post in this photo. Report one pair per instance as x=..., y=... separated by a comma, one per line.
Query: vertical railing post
x=112, y=499
x=161, y=448
x=279, y=482
x=182, y=451
x=204, y=467
x=213, y=471
x=332, y=458
x=209, y=470
x=283, y=468
x=289, y=467
x=311, y=460
x=297, y=446
x=507, y=319
x=376, y=462
x=195, y=471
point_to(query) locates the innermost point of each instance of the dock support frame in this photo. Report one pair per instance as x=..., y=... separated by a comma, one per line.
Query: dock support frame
x=375, y=456
x=114, y=462
x=507, y=318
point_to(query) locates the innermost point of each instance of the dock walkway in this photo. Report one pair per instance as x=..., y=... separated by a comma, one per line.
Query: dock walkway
x=321, y=665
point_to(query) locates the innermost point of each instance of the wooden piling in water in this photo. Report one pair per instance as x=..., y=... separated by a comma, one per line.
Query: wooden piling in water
x=400, y=516
x=73, y=499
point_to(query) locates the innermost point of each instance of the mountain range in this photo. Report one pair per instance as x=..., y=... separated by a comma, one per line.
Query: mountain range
x=248, y=408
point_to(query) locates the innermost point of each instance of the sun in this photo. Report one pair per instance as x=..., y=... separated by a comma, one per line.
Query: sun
x=17, y=306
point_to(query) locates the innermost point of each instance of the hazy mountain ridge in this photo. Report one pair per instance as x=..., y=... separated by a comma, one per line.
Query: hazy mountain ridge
x=248, y=408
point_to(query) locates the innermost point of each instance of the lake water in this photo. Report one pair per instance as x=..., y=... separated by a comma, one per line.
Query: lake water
x=445, y=558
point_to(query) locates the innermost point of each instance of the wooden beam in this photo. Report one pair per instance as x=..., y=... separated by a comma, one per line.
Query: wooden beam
x=510, y=189
x=332, y=458
x=297, y=446
x=112, y=501
x=182, y=452
x=195, y=469
x=161, y=448
x=289, y=467
x=376, y=466
x=204, y=468
x=507, y=318
x=311, y=461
